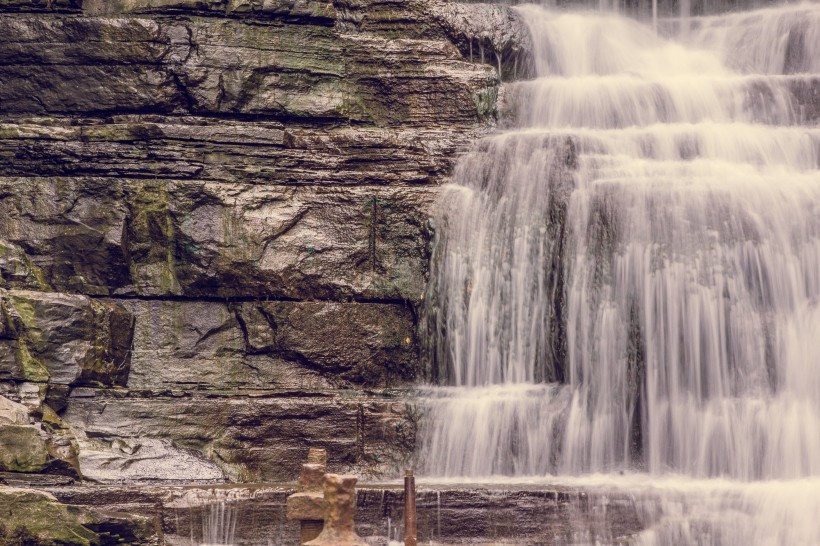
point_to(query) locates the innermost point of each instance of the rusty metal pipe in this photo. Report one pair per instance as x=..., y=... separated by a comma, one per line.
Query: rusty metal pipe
x=410, y=532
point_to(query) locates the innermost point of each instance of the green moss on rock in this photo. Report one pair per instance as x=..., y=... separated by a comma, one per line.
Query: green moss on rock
x=39, y=519
x=22, y=449
x=150, y=235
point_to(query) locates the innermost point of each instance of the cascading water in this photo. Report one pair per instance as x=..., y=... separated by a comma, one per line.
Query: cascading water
x=628, y=279
x=219, y=524
x=212, y=513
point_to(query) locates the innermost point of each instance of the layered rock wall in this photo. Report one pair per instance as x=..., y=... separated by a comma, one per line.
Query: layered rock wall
x=214, y=223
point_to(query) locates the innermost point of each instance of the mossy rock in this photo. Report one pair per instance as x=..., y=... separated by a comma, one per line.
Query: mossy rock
x=22, y=449
x=45, y=521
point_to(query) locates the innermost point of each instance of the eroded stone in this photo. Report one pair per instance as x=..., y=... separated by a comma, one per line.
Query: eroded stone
x=340, y=512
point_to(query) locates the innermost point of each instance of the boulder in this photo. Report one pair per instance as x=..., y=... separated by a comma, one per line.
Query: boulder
x=63, y=339
x=46, y=520
x=22, y=448
x=12, y=413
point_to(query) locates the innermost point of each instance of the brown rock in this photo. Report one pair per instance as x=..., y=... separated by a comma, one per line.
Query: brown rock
x=12, y=412
x=340, y=511
x=311, y=477
x=317, y=456
x=306, y=506
x=64, y=339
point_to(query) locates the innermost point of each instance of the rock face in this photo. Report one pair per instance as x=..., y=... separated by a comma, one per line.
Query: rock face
x=214, y=226
x=45, y=520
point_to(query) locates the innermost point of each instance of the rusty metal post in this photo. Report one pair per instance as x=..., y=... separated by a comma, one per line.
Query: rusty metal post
x=410, y=531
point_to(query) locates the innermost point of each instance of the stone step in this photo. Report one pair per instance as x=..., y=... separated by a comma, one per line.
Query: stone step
x=446, y=514
x=240, y=151
x=625, y=100
x=245, y=436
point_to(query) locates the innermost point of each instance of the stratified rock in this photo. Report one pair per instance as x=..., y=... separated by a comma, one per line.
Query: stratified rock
x=63, y=339
x=17, y=271
x=217, y=239
x=371, y=344
x=114, y=460
x=301, y=346
x=33, y=438
x=250, y=436
x=58, y=6
x=214, y=66
x=12, y=413
x=489, y=33
x=223, y=206
x=45, y=518
x=477, y=514
x=318, y=12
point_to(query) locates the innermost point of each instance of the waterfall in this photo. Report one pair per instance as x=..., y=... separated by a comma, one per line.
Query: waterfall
x=627, y=278
x=210, y=514
x=219, y=523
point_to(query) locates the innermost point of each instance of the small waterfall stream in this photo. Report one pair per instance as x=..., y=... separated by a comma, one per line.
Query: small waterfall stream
x=626, y=281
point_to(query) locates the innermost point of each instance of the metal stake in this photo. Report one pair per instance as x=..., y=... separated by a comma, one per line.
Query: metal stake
x=409, y=508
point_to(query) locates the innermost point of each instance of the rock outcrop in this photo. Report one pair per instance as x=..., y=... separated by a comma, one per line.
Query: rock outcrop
x=33, y=518
x=214, y=226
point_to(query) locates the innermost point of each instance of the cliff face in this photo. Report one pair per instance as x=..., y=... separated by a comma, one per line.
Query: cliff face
x=214, y=224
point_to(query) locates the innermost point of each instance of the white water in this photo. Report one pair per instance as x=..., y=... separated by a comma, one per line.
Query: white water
x=219, y=523
x=672, y=323
x=213, y=513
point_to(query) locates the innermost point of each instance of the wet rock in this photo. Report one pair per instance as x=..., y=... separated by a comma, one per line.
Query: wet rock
x=63, y=339
x=35, y=439
x=299, y=346
x=490, y=33
x=211, y=66
x=124, y=527
x=17, y=271
x=213, y=149
x=250, y=436
x=317, y=12
x=371, y=344
x=223, y=206
x=49, y=6
x=216, y=239
x=526, y=515
x=18, y=479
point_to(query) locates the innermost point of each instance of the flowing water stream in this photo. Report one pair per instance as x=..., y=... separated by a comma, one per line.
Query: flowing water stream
x=626, y=282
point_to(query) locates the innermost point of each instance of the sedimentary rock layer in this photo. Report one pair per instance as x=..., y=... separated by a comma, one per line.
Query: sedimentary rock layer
x=214, y=223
